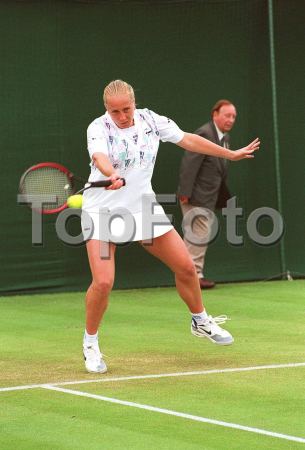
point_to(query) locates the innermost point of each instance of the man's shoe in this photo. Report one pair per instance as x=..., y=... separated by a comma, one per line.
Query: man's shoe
x=206, y=284
x=211, y=330
x=94, y=359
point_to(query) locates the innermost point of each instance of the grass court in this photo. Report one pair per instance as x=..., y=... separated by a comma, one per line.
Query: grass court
x=164, y=387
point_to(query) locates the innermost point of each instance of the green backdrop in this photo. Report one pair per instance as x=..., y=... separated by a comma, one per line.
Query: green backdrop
x=180, y=56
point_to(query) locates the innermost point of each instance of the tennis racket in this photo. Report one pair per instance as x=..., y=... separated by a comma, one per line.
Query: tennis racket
x=49, y=178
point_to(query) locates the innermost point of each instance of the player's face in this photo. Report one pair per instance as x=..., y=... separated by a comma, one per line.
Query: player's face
x=225, y=118
x=121, y=109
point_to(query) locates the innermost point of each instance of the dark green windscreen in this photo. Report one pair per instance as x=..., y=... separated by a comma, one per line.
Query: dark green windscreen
x=180, y=56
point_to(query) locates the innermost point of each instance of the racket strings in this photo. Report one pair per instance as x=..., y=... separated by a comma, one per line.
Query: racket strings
x=48, y=181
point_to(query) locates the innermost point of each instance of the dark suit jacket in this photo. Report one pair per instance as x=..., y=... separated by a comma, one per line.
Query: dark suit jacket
x=202, y=177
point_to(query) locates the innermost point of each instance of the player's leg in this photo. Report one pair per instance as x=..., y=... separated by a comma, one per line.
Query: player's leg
x=102, y=270
x=170, y=249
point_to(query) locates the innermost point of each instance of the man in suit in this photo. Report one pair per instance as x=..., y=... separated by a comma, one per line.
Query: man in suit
x=203, y=183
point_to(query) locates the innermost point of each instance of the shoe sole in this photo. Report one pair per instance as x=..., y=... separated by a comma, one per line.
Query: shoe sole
x=96, y=371
x=210, y=339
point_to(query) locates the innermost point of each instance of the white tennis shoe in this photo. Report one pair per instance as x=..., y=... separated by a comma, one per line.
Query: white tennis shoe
x=94, y=359
x=212, y=331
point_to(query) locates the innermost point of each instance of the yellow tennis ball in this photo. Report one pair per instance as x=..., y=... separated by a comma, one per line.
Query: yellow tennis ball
x=75, y=201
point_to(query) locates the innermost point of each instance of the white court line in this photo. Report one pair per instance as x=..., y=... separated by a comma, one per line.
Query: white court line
x=177, y=414
x=183, y=374
x=21, y=388
x=161, y=375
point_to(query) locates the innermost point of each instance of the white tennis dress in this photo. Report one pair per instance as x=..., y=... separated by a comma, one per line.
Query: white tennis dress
x=132, y=212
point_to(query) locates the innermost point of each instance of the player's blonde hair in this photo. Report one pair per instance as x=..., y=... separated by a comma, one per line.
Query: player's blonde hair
x=116, y=87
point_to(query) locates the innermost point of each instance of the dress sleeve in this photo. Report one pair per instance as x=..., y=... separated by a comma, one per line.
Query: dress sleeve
x=96, y=140
x=168, y=130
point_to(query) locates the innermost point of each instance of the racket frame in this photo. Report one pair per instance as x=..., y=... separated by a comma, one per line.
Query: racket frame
x=70, y=179
x=57, y=166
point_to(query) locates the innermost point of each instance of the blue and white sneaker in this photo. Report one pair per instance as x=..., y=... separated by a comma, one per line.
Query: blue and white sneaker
x=94, y=359
x=212, y=331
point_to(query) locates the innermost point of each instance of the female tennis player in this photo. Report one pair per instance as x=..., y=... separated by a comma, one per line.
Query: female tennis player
x=124, y=143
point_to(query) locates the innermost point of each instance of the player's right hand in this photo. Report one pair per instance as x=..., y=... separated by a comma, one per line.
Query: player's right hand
x=116, y=181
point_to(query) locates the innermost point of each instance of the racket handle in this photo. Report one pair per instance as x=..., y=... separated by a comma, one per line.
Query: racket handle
x=104, y=183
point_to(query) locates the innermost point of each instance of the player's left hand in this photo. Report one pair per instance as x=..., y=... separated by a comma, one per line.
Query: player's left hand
x=246, y=152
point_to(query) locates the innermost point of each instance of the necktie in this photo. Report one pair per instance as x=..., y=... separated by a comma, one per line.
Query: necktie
x=224, y=144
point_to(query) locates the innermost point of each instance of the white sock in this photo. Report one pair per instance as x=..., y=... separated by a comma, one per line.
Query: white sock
x=200, y=317
x=90, y=339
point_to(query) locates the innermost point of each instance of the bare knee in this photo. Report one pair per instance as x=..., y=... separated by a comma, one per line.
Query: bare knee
x=187, y=271
x=102, y=286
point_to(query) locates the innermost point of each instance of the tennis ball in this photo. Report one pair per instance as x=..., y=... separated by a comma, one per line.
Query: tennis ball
x=75, y=201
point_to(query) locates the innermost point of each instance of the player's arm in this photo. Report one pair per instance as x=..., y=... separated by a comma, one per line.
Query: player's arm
x=103, y=164
x=199, y=144
x=97, y=141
